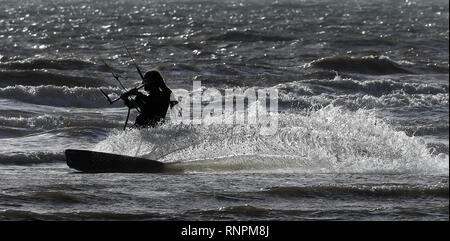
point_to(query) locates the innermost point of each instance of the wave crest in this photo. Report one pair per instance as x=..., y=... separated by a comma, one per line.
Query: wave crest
x=39, y=77
x=61, y=96
x=249, y=36
x=382, y=86
x=43, y=63
x=366, y=65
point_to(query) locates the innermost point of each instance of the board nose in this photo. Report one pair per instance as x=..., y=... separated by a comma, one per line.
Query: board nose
x=77, y=159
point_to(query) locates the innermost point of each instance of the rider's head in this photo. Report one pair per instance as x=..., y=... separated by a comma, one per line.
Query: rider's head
x=152, y=80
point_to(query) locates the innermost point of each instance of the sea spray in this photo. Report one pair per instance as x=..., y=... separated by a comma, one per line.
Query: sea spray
x=330, y=139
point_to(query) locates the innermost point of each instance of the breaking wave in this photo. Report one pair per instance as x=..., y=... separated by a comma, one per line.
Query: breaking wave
x=362, y=101
x=61, y=96
x=382, y=86
x=406, y=92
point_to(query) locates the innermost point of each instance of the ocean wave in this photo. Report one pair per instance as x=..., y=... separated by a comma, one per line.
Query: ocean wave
x=43, y=63
x=61, y=96
x=244, y=211
x=15, y=214
x=363, y=42
x=393, y=101
x=418, y=102
x=31, y=158
x=382, y=86
x=366, y=65
x=249, y=36
x=383, y=191
x=40, y=77
x=50, y=122
x=371, y=94
x=55, y=197
x=252, y=212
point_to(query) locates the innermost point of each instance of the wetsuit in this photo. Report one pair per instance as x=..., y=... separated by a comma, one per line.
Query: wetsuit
x=153, y=107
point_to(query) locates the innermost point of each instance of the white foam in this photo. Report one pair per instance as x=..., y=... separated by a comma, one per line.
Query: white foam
x=331, y=139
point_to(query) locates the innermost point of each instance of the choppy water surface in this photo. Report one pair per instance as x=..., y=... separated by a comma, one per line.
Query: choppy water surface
x=363, y=109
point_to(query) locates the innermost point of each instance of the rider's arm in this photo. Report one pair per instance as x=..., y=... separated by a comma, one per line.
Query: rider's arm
x=131, y=103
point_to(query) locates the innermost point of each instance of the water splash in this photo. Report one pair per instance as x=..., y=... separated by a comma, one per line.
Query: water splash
x=330, y=139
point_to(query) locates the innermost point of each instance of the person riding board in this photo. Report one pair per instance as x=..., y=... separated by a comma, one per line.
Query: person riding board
x=152, y=107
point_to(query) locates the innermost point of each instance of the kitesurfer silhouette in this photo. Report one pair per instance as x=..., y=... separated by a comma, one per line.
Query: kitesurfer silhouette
x=152, y=107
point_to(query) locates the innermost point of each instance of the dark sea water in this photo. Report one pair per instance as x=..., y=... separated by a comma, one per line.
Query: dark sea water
x=363, y=109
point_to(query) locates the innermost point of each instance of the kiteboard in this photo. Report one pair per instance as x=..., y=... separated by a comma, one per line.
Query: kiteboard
x=101, y=162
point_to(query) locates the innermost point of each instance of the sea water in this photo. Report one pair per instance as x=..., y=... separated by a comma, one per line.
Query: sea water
x=363, y=105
